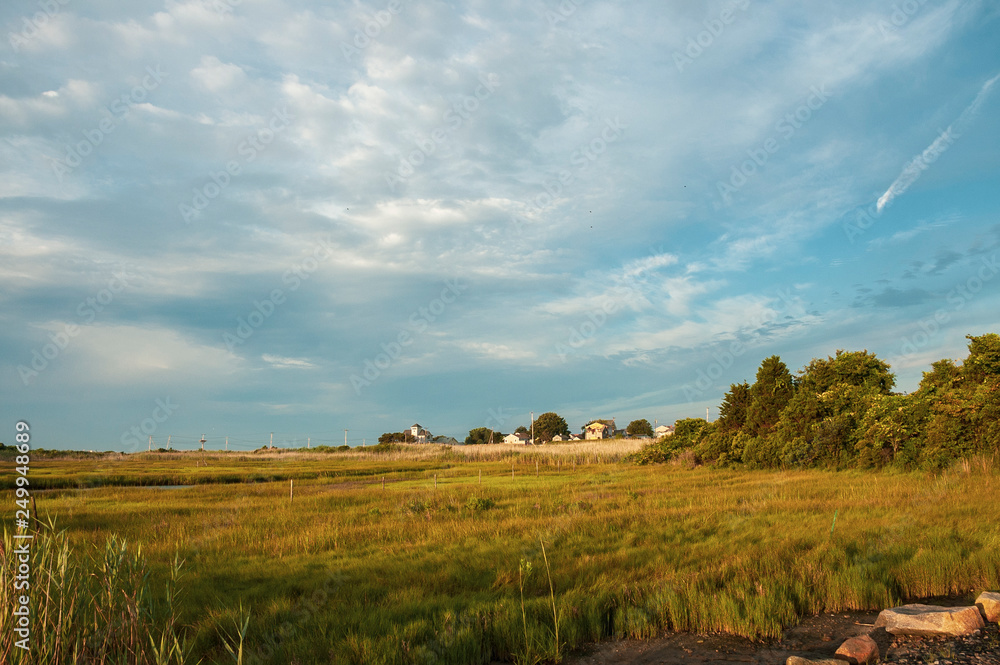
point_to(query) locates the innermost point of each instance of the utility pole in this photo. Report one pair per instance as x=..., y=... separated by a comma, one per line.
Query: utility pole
x=308, y=442
x=272, y=440
x=532, y=428
x=345, y=436
x=706, y=414
x=168, y=442
x=150, y=448
x=227, y=444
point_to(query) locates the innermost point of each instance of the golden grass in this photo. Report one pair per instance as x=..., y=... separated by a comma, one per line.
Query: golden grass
x=427, y=569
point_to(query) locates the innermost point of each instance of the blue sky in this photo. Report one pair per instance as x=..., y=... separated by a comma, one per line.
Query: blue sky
x=236, y=218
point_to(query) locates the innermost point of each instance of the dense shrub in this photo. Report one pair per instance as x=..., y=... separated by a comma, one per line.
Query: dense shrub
x=840, y=412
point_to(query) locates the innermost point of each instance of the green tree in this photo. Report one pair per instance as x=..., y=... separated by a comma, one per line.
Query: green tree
x=769, y=394
x=889, y=430
x=548, y=425
x=733, y=410
x=984, y=357
x=481, y=435
x=639, y=427
x=688, y=431
x=851, y=368
x=944, y=376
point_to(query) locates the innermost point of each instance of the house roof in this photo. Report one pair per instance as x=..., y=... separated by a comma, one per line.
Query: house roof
x=414, y=425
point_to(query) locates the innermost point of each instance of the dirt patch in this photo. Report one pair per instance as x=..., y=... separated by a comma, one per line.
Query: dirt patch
x=815, y=637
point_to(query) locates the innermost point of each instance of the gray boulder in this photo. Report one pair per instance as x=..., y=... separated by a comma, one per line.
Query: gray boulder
x=931, y=621
x=989, y=603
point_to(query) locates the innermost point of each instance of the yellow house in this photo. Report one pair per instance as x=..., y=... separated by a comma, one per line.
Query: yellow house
x=599, y=429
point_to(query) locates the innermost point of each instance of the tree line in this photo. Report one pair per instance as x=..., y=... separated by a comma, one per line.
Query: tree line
x=841, y=412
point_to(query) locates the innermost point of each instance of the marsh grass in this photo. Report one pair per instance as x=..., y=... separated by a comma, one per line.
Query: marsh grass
x=354, y=573
x=96, y=607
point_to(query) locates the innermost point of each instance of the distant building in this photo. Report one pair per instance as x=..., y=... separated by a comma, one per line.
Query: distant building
x=664, y=430
x=599, y=429
x=518, y=437
x=419, y=434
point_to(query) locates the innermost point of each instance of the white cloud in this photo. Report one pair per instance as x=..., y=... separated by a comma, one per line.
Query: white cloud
x=282, y=362
x=215, y=75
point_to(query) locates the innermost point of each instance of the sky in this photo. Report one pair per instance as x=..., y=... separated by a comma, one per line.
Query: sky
x=240, y=219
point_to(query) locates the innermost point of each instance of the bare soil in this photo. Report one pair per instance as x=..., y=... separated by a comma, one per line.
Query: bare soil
x=815, y=638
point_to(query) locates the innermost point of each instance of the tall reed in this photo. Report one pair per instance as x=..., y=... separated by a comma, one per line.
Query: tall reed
x=93, y=608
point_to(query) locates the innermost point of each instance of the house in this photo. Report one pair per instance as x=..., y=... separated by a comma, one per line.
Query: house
x=664, y=430
x=517, y=437
x=559, y=437
x=599, y=429
x=419, y=434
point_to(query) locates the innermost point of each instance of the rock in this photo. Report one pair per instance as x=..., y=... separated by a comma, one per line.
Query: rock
x=989, y=603
x=858, y=650
x=930, y=621
x=798, y=660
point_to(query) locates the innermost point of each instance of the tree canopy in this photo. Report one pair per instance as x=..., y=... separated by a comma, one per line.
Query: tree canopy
x=840, y=412
x=481, y=435
x=639, y=427
x=548, y=425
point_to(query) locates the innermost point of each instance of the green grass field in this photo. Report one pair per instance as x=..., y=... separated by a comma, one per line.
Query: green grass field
x=349, y=572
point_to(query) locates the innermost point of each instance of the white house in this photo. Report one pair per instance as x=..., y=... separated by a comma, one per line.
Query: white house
x=664, y=430
x=517, y=437
x=419, y=434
